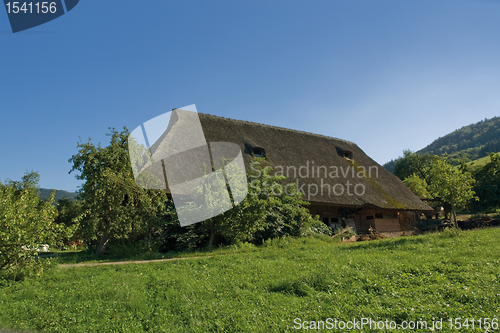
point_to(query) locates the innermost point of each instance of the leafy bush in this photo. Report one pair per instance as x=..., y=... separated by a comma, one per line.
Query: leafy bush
x=315, y=226
x=265, y=213
x=25, y=222
x=177, y=238
x=286, y=213
x=244, y=247
x=279, y=242
x=28, y=268
x=346, y=232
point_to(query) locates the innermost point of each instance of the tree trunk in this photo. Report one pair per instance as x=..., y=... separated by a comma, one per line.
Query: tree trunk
x=105, y=237
x=454, y=217
x=102, y=244
x=149, y=242
x=211, y=240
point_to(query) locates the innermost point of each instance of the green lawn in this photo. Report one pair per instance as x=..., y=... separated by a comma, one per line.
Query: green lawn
x=264, y=289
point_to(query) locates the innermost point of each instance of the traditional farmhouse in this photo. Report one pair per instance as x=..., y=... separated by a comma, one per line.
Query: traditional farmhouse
x=344, y=186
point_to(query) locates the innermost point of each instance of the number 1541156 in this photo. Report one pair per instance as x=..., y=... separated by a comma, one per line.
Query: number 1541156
x=31, y=7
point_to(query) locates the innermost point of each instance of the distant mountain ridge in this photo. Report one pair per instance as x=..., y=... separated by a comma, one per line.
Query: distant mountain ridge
x=467, y=144
x=45, y=193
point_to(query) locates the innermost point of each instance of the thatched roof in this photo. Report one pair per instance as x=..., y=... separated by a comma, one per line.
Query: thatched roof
x=291, y=148
x=285, y=150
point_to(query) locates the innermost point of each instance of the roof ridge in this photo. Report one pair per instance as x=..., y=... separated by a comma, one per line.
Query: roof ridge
x=281, y=128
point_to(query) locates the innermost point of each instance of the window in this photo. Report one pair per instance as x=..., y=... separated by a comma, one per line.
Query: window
x=348, y=154
x=379, y=216
x=332, y=222
x=259, y=152
x=369, y=217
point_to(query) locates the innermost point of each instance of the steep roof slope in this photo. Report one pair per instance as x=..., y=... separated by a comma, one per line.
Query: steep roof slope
x=291, y=148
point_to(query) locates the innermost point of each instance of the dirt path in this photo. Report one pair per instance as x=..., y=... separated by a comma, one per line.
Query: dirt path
x=126, y=262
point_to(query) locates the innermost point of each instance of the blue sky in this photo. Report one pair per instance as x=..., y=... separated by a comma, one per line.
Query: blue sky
x=387, y=75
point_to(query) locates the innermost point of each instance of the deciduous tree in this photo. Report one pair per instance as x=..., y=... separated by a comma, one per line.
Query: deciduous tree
x=487, y=185
x=115, y=208
x=25, y=223
x=432, y=176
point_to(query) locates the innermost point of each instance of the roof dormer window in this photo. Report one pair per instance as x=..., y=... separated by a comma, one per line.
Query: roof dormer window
x=259, y=152
x=348, y=154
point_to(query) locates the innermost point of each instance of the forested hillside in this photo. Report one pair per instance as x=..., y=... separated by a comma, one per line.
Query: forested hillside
x=45, y=193
x=467, y=143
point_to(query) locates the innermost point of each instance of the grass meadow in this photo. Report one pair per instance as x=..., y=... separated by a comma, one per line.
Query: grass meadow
x=264, y=289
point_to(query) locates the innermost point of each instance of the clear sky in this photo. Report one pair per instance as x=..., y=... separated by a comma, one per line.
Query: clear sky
x=387, y=75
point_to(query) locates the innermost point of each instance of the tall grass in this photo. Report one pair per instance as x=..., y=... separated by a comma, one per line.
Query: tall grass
x=263, y=289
